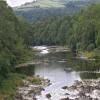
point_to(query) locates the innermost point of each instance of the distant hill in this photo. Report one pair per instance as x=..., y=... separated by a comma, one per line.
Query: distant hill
x=41, y=9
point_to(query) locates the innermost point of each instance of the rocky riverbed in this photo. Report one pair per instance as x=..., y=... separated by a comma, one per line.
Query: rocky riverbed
x=80, y=90
x=31, y=87
x=83, y=90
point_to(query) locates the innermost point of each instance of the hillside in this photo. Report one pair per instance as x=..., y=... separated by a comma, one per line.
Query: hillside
x=42, y=9
x=79, y=32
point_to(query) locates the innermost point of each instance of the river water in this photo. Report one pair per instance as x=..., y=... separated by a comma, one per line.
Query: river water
x=62, y=68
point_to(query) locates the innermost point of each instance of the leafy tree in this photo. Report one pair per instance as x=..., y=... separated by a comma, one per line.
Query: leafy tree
x=13, y=49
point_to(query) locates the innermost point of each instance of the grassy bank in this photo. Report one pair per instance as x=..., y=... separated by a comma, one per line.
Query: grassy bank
x=95, y=54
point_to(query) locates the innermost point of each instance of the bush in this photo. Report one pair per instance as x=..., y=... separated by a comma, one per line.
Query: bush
x=9, y=85
x=91, y=47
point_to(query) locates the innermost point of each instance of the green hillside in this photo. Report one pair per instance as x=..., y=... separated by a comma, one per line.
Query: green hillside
x=42, y=9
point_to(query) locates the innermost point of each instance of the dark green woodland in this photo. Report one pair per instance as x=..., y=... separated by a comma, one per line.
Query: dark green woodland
x=80, y=32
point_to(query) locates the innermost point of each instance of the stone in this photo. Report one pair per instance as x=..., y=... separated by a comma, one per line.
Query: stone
x=76, y=98
x=96, y=99
x=67, y=94
x=65, y=87
x=65, y=98
x=81, y=93
x=34, y=98
x=48, y=95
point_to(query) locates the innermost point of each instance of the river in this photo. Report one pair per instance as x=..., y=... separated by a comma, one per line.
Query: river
x=62, y=68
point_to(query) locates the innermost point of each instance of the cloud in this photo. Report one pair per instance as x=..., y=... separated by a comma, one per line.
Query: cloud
x=17, y=2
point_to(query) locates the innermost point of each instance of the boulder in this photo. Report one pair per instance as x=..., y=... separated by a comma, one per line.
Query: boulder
x=65, y=87
x=65, y=98
x=48, y=95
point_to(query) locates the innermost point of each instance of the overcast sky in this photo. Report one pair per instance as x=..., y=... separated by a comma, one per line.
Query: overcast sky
x=17, y=2
x=14, y=3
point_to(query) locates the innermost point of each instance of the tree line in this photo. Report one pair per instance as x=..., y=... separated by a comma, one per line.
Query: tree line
x=80, y=31
x=13, y=43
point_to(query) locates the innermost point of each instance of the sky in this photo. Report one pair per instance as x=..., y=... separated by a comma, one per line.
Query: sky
x=14, y=3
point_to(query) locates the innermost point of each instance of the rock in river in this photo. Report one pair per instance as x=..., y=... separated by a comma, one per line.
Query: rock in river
x=65, y=98
x=65, y=87
x=48, y=95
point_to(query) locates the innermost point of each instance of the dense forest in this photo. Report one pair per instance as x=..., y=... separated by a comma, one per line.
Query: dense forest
x=13, y=47
x=81, y=31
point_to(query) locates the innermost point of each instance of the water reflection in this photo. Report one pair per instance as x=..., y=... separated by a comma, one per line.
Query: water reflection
x=89, y=75
x=57, y=59
x=27, y=70
x=87, y=65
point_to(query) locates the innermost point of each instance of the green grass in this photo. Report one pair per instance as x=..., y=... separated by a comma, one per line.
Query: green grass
x=95, y=54
x=47, y=3
x=35, y=80
x=88, y=54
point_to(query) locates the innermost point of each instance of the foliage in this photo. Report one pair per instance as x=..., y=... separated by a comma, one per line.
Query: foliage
x=8, y=86
x=51, y=31
x=13, y=48
x=79, y=32
x=35, y=80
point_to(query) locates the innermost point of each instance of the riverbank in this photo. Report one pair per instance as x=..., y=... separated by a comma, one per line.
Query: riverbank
x=17, y=86
x=80, y=90
x=28, y=88
x=89, y=55
x=32, y=86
